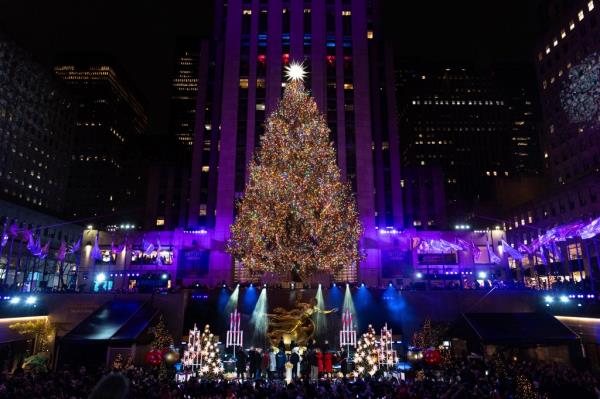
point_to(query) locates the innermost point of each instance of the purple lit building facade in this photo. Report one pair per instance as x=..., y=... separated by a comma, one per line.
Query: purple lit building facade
x=350, y=75
x=567, y=59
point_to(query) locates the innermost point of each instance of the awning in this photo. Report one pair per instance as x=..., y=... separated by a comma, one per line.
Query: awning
x=518, y=328
x=118, y=320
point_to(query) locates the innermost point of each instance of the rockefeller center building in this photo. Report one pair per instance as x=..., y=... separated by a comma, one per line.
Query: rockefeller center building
x=340, y=45
x=36, y=132
x=568, y=66
x=241, y=78
x=104, y=173
x=474, y=126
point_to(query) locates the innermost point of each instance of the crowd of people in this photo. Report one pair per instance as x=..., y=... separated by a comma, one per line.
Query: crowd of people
x=271, y=363
x=460, y=378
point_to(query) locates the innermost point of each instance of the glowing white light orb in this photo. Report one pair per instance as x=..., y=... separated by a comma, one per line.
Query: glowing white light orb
x=295, y=72
x=100, y=277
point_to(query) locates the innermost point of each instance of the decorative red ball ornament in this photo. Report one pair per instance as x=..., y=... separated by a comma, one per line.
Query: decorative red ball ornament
x=154, y=357
x=432, y=357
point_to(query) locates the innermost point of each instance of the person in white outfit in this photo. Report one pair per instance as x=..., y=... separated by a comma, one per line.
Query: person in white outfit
x=272, y=364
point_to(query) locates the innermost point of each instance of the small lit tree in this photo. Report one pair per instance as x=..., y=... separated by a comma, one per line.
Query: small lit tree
x=211, y=366
x=525, y=388
x=365, y=358
x=162, y=339
x=118, y=362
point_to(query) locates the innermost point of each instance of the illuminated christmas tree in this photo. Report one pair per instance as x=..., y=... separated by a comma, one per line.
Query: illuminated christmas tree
x=365, y=359
x=162, y=338
x=524, y=388
x=118, y=362
x=210, y=365
x=296, y=214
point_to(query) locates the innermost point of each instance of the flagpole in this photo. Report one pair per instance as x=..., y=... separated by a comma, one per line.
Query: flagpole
x=93, y=259
x=25, y=273
x=78, y=261
x=18, y=264
x=595, y=242
x=2, y=245
x=5, y=276
x=589, y=261
x=44, y=270
x=8, y=259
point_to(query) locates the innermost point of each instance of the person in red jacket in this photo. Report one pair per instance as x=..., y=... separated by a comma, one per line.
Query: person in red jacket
x=328, y=364
x=320, y=361
x=264, y=366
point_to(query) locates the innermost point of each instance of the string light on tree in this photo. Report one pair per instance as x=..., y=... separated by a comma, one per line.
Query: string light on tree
x=366, y=357
x=525, y=389
x=162, y=339
x=296, y=214
x=203, y=354
x=386, y=353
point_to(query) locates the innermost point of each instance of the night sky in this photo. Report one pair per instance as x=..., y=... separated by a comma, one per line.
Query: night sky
x=141, y=36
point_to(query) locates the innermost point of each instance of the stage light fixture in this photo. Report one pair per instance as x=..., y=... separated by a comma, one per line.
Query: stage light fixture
x=482, y=275
x=564, y=298
x=419, y=275
x=15, y=301
x=548, y=299
x=31, y=300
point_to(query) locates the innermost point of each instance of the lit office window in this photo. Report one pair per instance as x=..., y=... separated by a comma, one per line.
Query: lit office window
x=247, y=12
x=160, y=222
x=346, y=13
x=369, y=34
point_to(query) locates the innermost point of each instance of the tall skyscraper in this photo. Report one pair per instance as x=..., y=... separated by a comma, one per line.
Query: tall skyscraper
x=475, y=125
x=349, y=73
x=184, y=89
x=110, y=117
x=36, y=131
x=167, y=176
x=568, y=66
